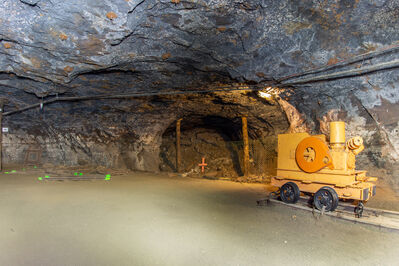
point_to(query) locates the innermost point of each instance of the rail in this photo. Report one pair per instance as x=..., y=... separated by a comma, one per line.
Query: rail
x=345, y=211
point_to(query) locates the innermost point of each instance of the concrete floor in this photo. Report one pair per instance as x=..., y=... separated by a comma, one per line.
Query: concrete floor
x=145, y=219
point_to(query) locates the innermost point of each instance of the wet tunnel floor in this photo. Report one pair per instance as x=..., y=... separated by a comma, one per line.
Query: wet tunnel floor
x=147, y=219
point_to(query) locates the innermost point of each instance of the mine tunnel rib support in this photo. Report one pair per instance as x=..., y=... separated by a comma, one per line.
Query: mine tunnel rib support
x=178, y=154
x=1, y=133
x=246, y=145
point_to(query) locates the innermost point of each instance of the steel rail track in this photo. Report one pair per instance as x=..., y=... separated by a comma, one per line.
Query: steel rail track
x=346, y=211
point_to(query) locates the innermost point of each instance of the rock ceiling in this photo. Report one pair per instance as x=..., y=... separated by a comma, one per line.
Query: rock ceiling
x=336, y=58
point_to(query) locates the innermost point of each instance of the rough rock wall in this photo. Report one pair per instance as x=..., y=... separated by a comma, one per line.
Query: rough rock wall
x=82, y=47
x=124, y=46
x=223, y=155
x=129, y=133
x=93, y=137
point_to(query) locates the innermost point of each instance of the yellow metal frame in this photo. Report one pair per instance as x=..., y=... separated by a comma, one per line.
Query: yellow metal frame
x=340, y=175
x=361, y=191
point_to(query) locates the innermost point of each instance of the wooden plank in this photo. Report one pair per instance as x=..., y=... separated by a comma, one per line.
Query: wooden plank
x=1, y=133
x=246, y=145
x=178, y=152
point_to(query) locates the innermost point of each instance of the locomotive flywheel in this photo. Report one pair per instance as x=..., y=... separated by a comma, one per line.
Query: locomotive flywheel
x=312, y=154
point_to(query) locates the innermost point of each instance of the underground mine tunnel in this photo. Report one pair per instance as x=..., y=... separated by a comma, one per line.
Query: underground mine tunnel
x=176, y=132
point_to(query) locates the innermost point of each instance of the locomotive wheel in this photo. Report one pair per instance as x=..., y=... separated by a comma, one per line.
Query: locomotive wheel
x=326, y=197
x=289, y=192
x=359, y=210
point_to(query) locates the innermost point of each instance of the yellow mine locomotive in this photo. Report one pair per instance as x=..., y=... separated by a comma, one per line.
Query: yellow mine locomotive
x=311, y=165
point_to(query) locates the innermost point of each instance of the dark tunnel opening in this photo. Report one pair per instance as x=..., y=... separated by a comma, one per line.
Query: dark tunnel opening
x=216, y=138
x=219, y=140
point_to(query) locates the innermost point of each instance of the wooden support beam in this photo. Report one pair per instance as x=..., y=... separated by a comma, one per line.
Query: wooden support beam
x=178, y=154
x=246, y=145
x=1, y=133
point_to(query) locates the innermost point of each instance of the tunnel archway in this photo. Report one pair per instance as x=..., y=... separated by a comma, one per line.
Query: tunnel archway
x=219, y=140
x=214, y=137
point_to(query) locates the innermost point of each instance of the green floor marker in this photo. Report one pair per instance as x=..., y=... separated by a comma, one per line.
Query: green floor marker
x=34, y=167
x=40, y=178
x=80, y=174
x=13, y=171
x=46, y=176
x=75, y=174
x=6, y=172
